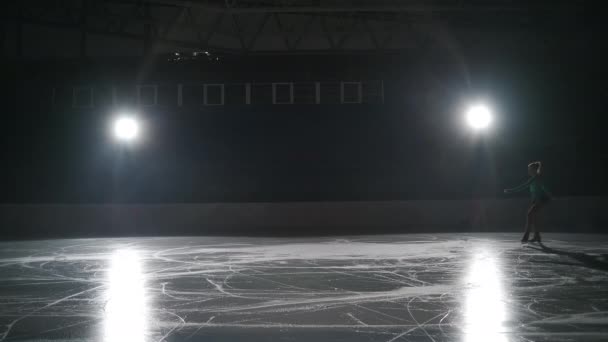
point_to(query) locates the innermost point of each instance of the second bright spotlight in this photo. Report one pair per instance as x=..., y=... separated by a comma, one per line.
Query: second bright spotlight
x=126, y=128
x=479, y=117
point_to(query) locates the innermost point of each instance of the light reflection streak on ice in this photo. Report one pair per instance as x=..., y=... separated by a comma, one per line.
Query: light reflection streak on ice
x=125, y=310
x=485, y=311
x=385, y=288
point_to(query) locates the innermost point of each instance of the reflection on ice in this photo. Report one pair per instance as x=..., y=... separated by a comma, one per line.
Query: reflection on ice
x=125, y=310
x=485, y=311
x=380, y=288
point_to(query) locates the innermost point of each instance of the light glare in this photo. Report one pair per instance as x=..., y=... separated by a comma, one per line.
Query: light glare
x=126, y=128
x=479, y=117
x=126, y=311
x=485, y=311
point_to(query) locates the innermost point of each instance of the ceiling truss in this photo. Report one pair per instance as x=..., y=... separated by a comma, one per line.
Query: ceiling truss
x=257, y=27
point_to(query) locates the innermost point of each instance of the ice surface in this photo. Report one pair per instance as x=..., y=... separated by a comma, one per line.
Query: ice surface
x=443, y=287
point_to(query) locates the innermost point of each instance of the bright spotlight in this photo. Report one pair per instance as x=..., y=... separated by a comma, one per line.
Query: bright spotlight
x=479, y=117
x=126, y=128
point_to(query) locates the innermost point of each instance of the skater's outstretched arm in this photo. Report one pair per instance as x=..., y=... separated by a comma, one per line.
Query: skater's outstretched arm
x=520, y=187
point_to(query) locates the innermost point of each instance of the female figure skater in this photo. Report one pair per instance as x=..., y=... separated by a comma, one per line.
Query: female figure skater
x=540, y=198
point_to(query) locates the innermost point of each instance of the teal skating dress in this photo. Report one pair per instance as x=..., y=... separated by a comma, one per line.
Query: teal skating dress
x=538, y=192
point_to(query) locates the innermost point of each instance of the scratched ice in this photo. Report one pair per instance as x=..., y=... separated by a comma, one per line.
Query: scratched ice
x=470, y=288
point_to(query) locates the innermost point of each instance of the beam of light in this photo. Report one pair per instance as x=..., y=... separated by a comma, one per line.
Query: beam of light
x=479, y=117
x=485, y=311
x=125, y=311
x=125, y=128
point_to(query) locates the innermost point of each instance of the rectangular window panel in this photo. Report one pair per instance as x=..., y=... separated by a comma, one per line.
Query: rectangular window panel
x=192, y=95
x=214, y=94
x=103, y=96
x=304, y=93
x=330, y=92
x=261, y=93
x=82, y=97
x=235, y=93
x=167, y=95
x=124, y=95
x=282, y=93
x=350, y=92
x=147, y=95
x=372, y=92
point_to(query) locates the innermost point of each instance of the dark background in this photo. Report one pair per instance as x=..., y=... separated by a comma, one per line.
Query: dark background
x=546, y=84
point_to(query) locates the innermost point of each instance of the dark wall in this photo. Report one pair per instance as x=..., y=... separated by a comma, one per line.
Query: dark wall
x=571, y=215
x=549, y=107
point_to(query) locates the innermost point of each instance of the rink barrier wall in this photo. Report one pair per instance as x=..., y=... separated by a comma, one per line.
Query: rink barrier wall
x=577, y=215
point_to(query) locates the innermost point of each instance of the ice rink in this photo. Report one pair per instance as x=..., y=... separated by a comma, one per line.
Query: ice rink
x=440, y=287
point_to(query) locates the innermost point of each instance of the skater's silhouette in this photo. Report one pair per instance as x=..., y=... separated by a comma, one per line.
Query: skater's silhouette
x=540, y=198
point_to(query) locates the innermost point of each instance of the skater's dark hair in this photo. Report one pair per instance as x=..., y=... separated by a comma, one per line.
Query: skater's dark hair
x=535, y=166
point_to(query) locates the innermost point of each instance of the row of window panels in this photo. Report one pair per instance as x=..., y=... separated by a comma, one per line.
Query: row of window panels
x=221, y=94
